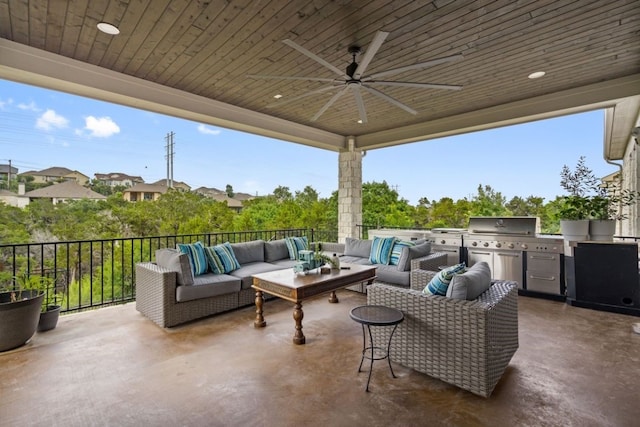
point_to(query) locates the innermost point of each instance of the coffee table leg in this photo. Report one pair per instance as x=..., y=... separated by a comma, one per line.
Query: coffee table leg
x=298, y=338
x=259, y=322
x=333, y=298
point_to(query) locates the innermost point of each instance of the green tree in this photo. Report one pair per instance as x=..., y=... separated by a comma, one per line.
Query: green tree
x=381, y=204
x=488, y=202
x=229, y=191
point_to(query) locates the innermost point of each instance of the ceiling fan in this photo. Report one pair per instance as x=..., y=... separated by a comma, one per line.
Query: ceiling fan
x=356, y=81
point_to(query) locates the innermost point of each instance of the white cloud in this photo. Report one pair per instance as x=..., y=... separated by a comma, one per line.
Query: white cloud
x=30, y=106
x=50, y=119
x=208, y=131
x=102, y=127
x=6, y=103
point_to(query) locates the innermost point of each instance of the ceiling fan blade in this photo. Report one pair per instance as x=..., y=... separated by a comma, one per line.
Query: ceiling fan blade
x=315, y=58
x=304, y=95
x=390, y=99
x=414, y=84
x=360, y=103
x=333, y=99
x=313, y=79
x=373, y=47
x=417, y=66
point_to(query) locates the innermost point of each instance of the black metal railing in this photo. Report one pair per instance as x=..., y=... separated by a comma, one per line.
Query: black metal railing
x=95, y=273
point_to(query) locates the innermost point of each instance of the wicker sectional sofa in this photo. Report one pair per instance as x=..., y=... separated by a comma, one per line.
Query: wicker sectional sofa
x=467, y=343
x=169, y=294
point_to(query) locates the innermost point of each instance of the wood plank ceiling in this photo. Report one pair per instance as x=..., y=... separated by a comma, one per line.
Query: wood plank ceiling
x=208, y=48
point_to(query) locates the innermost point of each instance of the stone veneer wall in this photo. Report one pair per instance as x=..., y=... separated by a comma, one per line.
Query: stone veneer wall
x=349, y=191
x=630, y=226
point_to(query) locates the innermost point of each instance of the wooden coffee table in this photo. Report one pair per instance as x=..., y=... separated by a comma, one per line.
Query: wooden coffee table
x=296, y=288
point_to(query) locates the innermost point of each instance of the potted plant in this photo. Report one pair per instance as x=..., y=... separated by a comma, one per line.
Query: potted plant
x=606, y=208
x=576, y=207
x=51, y=305
x=20, y=306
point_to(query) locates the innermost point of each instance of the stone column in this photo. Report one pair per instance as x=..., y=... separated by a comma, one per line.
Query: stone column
x=349, y=190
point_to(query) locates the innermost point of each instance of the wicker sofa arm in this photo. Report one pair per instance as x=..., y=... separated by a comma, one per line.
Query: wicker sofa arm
x=429, y=262
x=420, y=278
x=155, y=291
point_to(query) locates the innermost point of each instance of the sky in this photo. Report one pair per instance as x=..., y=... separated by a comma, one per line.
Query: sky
x=41, y=128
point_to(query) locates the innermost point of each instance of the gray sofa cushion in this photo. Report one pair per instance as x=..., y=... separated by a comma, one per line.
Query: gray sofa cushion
x=356, y=260
x=173, y=260
x=247, y=252
x=390, y=274
x=413, y=252
x=246, y=271
x=275, y=251
x=208, y=285
x=285, y=263
x=357, y=247
x=470, y=284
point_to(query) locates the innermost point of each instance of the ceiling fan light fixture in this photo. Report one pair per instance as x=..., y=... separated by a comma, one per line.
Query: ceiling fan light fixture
x=536, y=74
x=107, y=28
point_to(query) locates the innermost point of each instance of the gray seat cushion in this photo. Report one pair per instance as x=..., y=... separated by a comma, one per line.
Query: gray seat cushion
x=208, y=285
x=176, y=261
x=245, y=272
x=356, y=260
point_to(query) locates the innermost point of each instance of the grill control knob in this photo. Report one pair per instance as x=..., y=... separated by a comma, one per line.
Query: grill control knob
x=511, y=246
x=442, y=242
x=474, y=243
x=524, y=246
x=485, y=244
x=498, y=245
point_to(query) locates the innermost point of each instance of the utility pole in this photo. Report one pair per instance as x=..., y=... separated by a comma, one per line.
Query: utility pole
x=9, y=176
x=170, y=154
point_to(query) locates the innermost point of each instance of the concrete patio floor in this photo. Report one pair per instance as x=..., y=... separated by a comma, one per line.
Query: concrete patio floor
x=113, y=367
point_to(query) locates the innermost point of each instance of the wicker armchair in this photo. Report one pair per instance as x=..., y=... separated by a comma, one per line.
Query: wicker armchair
x=465, y=343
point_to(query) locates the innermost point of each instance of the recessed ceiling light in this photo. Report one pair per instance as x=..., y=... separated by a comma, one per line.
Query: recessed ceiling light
x=360, y=121
x=108, y=28
x=536, y=75
x=278, y=96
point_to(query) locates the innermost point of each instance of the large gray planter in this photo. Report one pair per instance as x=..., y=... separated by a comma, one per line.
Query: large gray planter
x=18, y=320
x=575, y=230
x=602, y=230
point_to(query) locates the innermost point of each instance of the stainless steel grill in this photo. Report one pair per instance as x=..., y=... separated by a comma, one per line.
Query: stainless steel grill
x=514, y=250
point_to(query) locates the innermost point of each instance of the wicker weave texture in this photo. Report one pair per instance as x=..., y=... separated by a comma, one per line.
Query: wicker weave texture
x=156, y=298
x=465, y=343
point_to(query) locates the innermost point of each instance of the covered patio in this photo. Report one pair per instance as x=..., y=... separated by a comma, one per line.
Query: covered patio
x=199, y=61
x=112, y=366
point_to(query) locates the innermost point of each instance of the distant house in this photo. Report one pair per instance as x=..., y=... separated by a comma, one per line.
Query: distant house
x=176, y=184
x=243, y=196
x=5, y=170
x=12, y=199
x=234, y=202
x=143, y=192
x=55, y=174
x=68, y=190
x=116, y=178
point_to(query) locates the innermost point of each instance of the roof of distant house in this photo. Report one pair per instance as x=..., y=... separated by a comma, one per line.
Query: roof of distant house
x=5, y=169
x=208, y=191
x=146, y=188
x=243, y=196
x=65, y=190
x=118, y=176
x=232, y=203
x=163, y=182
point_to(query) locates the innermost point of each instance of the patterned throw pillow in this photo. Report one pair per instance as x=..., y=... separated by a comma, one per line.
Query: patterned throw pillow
x=221, y=258
x=396, y=251
x=196, y=255
x=381, y=250
x=440, y=282
x=295, y=245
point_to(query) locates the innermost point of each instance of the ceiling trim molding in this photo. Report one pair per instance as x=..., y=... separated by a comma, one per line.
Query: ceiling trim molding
x=25, y=64
x=587, y=98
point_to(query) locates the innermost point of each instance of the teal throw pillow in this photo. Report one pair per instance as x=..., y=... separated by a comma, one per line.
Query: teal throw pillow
x=396, y=251
x=221, y=258
x=440, y=282
x=197, y=257
x=295, y=245
x=381, y=250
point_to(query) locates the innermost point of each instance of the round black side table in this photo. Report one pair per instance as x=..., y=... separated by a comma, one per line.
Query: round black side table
x=375, y=315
